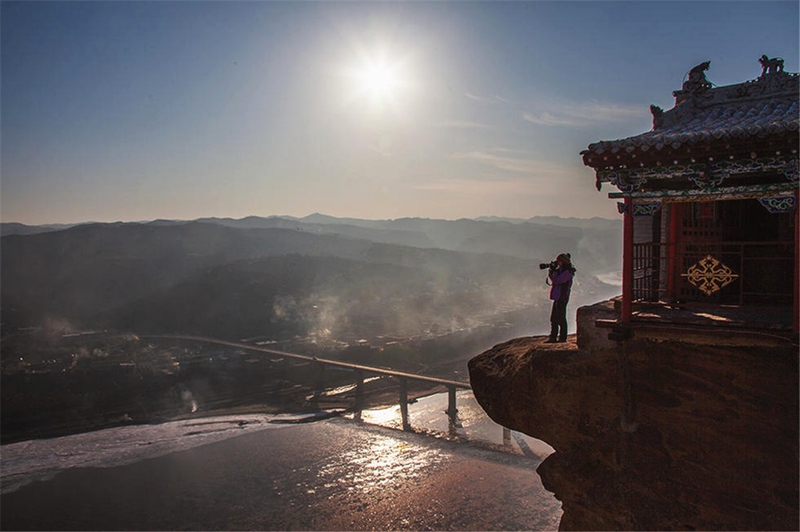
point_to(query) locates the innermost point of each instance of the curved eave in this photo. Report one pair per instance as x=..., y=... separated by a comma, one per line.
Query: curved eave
x=641, y=151
x=721, y=193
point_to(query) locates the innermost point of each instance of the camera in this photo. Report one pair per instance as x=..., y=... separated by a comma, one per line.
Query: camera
x=552, y=265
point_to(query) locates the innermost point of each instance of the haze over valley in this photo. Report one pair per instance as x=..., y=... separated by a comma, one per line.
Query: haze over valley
x=280, y=278
x=81, y=306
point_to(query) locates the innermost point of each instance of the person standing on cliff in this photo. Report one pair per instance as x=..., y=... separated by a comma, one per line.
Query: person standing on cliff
x=560, y=277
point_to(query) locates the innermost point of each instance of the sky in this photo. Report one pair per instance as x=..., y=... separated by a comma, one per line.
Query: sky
x=133, y=111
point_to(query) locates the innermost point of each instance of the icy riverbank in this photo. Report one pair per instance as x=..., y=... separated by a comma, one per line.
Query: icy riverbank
x=242, y=472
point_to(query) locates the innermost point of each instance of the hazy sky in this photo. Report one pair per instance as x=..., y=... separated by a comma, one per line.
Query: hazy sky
x=142, y=110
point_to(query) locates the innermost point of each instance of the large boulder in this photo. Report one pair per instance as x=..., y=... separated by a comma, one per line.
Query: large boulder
x=654, y=434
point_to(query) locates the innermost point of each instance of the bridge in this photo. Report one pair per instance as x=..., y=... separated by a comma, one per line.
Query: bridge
x=361, y=372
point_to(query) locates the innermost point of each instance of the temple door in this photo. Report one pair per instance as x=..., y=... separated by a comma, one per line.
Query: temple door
x=698, y=272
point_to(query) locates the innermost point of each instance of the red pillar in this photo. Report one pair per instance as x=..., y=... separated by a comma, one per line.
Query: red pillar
x=796, y=320
x=627, y=261
x=672, y=246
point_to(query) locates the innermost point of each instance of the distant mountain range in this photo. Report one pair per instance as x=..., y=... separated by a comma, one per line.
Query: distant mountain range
x=282, y=276
x=12, y=228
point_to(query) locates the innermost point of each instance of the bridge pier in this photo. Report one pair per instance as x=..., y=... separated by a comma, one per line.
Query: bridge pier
x=452, y=411
x=281, y=374
x=404, y=404
x=506, y=437
x=293, y=360
x=319, y=387
x=359, y=406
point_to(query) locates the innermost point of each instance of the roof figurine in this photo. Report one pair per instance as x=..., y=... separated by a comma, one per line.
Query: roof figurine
x=770, y=66
x=697, y=79
x=747, y=121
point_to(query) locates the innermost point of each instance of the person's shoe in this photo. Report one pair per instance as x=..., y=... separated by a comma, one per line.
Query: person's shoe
x=562, y=340
x=550, y=340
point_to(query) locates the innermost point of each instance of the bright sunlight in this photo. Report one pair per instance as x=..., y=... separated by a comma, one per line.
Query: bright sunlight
x=380, y=80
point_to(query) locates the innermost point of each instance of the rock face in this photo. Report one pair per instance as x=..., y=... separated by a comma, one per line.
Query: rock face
x=654, y=434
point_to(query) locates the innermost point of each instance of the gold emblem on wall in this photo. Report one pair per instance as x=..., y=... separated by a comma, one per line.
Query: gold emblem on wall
x=709, y=275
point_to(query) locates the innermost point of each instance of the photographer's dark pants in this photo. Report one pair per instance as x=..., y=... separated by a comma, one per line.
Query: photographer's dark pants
x=558, y=321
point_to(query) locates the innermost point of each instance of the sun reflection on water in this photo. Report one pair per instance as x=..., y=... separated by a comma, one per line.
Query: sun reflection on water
x=428, y=415
x=377, y=463
x=386, y=417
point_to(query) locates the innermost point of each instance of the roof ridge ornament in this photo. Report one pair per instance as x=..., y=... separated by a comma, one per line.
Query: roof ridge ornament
x=658, y=116
x=697, y=82
x=720, y=126
x=770, y=65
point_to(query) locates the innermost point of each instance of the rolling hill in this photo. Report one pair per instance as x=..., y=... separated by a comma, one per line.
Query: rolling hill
x=282, y=277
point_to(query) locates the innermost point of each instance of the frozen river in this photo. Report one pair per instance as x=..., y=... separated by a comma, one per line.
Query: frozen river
x=247, y=472
x=428, y=414
x=30, y=460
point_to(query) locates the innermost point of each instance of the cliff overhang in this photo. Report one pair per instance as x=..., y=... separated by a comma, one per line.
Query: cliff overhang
x=655, y=430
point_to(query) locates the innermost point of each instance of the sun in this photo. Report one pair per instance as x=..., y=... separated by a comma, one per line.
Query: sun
x=379, y=79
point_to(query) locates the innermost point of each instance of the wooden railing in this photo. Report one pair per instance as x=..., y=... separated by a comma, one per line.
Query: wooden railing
x=763, y=270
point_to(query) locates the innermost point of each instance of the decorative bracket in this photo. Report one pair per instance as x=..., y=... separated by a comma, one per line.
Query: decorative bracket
x=646, y=209
x=707, y=176
x=640, y=209
x=706, y=180
x=778, y=204
x=792, y=170
x=624, y=180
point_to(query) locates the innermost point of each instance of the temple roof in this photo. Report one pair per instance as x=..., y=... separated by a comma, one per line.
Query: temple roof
x=762, y=108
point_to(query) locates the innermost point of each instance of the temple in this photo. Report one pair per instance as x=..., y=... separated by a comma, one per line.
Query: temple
x=709, y=198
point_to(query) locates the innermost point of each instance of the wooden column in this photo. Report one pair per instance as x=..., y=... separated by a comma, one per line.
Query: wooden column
x=796, y=311
x=627, y=261
x=673, y=239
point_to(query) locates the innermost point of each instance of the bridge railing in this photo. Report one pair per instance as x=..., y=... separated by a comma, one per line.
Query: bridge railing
x=361, y=372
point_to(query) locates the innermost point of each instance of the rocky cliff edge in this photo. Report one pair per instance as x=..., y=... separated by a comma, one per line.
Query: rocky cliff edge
x=654, y=434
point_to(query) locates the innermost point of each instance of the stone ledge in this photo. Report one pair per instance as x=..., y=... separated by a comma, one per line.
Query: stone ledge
x=654, y=435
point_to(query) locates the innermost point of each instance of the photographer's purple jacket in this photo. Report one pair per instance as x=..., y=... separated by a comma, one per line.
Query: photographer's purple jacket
x=562, y=284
